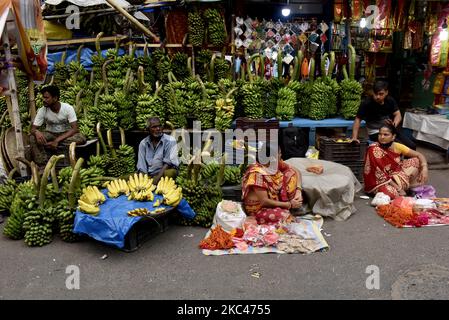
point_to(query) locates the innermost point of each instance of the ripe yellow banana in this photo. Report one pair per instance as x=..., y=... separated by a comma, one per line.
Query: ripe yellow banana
x=88, y=208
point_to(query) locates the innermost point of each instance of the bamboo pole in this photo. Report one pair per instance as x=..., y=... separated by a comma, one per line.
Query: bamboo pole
x=15, y=114
x=133, y=20
x=32, y=98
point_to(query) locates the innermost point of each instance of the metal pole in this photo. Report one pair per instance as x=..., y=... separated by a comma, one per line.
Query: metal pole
x=14, y=101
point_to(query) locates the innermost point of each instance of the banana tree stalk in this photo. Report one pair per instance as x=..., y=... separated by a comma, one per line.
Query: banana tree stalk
x=97, y=95
x=100, y=138
x=332, y=64
x=74, y=182
x=141, y=79
x=78, y=106
x=44, y=180
x=351, y=62
x=72, y=154
x=189, y=66
x=323, y=64
x=295, y=70
x=105, y=76
x=78, y=53
x=122, y=136
x=111, y=144
x=54, y=178
x=125, y=85
x=312, y=69
x=12, y=173
x=248, y=66
x=35, y=175
x=220, y=178
x=300, y=57
x=345, y=73
x=97, y=43
x=92, y=78
x=279, y=63
x=212, y=68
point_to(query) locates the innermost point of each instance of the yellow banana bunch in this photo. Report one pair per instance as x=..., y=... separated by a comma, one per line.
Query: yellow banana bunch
x=173, y=198
x=142, y=195
x=117, y=187
x=91, y=195
x=88, y=208
x=157, y=203
x=165, y=185
x=138, y=212
x=140, y=181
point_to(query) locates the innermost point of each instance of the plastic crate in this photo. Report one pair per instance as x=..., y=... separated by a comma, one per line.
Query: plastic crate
x=146, y=229
x=341, y=151
x=356, y=168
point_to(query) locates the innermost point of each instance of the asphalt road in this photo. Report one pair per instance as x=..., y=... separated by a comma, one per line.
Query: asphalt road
x=171, y=266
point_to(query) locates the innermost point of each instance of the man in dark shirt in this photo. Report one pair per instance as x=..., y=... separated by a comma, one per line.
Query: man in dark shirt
x=377, y=110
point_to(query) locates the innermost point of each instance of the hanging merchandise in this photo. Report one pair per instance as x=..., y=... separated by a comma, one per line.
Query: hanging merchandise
x=399, y=15
x=439, y=84
x=439, y=49
x=338, y=11
x=356, y=9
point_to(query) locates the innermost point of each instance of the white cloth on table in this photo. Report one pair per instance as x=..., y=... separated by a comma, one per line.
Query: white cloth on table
x=430, y=128
x=330, y=194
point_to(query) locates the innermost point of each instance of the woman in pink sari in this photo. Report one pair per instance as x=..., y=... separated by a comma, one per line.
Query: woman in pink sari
x=386, y=172
x=270, y=188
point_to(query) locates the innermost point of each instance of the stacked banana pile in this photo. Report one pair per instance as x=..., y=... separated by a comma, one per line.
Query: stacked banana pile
x=90, y=200
x=141, y=187
x=196, y=28
x=286, y=104
x=139, y=212
x=215, y=27
x=172, y=194
x=117, y=187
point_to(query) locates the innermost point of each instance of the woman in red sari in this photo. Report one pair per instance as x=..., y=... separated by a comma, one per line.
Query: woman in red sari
x=386, y=172
x=270, y=188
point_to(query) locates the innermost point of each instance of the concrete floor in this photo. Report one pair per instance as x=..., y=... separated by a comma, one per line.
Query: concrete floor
x=171, y=266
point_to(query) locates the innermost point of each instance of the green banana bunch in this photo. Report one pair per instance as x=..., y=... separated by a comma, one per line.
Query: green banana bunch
x=125, y=114
x=286, y=105
x=351, y=97
x=196, y=29
x=318, y=101
x=149, y=106
x=252, y=100
x=107, y=112
x=86, y=125
x=215, y=27
x=221, y=69
x=202, y=63
x=179, y=66
x=232, y=175
x=7, y=191
x=25, y=199
x=38, y=225
x=65, y=218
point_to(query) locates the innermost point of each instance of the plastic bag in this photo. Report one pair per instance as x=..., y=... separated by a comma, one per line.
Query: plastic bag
x=312, y=153
x=424, y=192
x=229, y=215
x=380, y=199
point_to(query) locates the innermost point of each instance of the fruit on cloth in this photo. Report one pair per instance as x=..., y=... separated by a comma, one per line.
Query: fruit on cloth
x=196, y=29
x=165, y=185
x=172, y=194
x=92, y=196
x=88, y=208
x=138, y=212
x=117, y=187
x=141, y=187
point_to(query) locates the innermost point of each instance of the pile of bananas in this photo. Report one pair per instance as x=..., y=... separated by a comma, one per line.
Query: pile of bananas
x=148, y=106
x=232, y=175
x=139, y=212
x=351, y=97
x=319, y=101
x=86, y=125
x=221, y=69
x=334, y=95
x=179, y=66
x=90, y=200
x=224, y=113
x=107, y=112
x=286, y=105
x=126, y=155
x=117, y=187
x=202, y=63
x=196, y=28
x=25, y=199
x=38, y=225
x=126, y=111
x=252, y=100
x=7, y=191
x=270, y=90
x=175, y=97
x=172, y=194
x=215, y=27
x=65, y=217
x=141, y=187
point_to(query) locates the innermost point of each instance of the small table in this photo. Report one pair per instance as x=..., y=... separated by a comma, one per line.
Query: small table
x=313, y=124
x=432, y=128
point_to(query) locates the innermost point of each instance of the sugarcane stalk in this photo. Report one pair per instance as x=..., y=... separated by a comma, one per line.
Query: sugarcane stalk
x=110, y=143
x=44, y=179
x=74, y=182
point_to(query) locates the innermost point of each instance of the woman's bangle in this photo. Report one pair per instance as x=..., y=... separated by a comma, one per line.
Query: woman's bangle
x=290, y=203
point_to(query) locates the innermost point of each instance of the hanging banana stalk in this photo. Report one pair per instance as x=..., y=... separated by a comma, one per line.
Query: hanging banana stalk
x=111, y=144
x=44, y=180
x=312, y=69
x=74, y=183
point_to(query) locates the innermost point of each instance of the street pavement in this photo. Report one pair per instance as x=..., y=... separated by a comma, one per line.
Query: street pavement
x=410, y=264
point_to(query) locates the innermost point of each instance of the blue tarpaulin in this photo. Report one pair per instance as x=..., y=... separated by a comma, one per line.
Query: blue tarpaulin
x=113, y=223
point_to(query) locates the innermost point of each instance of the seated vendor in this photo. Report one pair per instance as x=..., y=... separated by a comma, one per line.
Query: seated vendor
x=270, y=188
x=158, y=153
x=386, y=172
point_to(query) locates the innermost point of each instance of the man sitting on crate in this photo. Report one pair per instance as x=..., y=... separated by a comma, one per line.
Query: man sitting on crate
x=158, y=153
x=377, y=110
x=61, y=126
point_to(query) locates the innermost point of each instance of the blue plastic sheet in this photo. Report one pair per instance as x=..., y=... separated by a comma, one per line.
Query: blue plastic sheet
x=113, y=223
